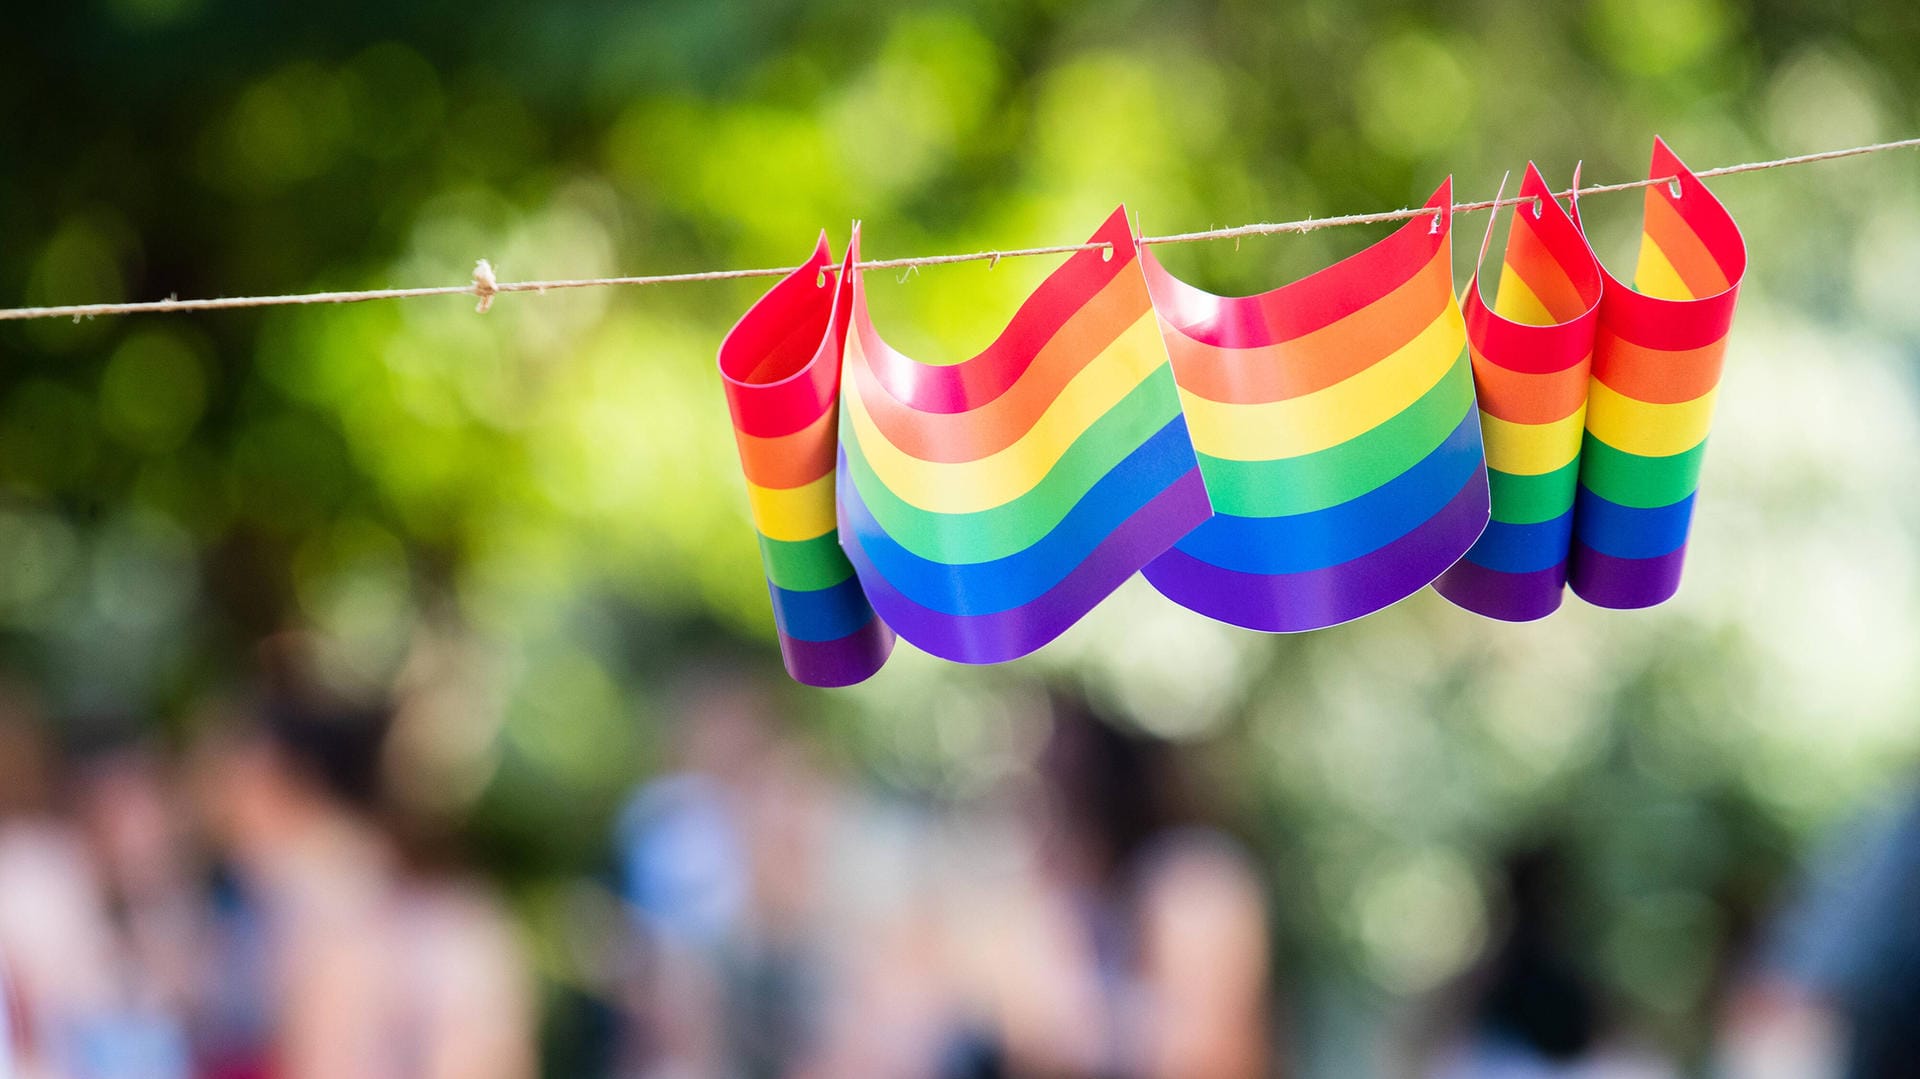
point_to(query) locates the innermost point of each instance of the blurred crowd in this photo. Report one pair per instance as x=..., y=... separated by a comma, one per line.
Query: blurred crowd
x=253, y=905
x=243, y=910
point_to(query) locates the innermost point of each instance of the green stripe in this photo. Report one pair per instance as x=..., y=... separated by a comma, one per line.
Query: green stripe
x=957, y=538
x=805, y=565
x=1347, y=470
x=1628, y=479
x=1529, y=500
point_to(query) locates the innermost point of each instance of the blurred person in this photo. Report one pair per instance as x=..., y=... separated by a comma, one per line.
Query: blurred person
x=1203, y=959
x=1834, y=990
x=132, y=814
x=337, y=960
x=1528, y=1011
x=720, y=864
x=1135, y=942
x=786, y=920
x=6, y=1025
x=1080, y=921
x=88, y=1009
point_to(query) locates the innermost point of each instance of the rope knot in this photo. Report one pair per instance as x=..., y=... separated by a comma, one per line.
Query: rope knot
x=485, y=286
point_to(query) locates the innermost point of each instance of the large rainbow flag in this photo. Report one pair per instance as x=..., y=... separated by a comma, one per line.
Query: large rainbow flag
x=1532, y=351
x=1335, y=423
x=1656, y=371
x=781, y=368
x=1283, y=462
x=988, y=504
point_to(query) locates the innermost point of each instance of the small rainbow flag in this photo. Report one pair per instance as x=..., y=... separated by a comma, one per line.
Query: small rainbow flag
x=987, y=505
x=781, y=368
x=1532, y=352
x=1335, y=423
x=1656, y=371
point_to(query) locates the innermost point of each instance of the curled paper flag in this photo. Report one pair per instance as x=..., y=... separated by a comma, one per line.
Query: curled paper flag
x=1335, y=424
x=989, y=504
x=1656, y=371
x=1282, y=462
x=1532, y=352
x=781, y=368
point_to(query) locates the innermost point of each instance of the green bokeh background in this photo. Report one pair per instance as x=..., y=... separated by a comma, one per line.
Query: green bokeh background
x=544, y=500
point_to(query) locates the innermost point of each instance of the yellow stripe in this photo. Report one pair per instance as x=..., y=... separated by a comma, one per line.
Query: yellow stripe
x=1648, y=430
x=1001, y=477
x=1655, y=276
x=1531, y=449
x=1516, y=301
x=793, y=513
x=1270, y=430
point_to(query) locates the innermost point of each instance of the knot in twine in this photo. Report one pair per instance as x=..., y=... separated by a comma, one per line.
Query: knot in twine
x=485, y=286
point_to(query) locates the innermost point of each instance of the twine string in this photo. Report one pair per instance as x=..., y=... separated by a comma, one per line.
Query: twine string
x=485, y=287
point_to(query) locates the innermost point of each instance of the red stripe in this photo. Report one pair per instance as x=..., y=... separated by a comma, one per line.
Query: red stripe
x=974, y=382
x=1527, y=348
x=1316, y=301
x=780, y=364
x=1550, y=254
x=1677, y=325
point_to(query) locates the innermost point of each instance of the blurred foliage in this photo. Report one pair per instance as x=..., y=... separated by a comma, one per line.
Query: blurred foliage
x=548, y=494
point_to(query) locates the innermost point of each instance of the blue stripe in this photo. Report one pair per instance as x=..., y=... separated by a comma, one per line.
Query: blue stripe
x=1626, y=532
x=826, y=615
x=1304, y=542
x=1511, y=548
x=977, y=588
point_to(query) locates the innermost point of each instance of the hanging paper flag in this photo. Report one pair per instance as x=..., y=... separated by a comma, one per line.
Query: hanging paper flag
x=1532, y=352
x=1656, y=371
x=1336, y=429
x=781, y=368
x=989, y=504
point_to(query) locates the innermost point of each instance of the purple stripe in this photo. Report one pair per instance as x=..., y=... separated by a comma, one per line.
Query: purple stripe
x=1010, y=634
x=1624, y=584
x=1295, y=602
x=853, y=658
x=1509, y=597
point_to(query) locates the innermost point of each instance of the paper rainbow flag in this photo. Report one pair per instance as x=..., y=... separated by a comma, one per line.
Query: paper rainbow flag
x=1656, y=372
x=1532, y=352
x=1336, y=428
x=781, y=368
x=1282, y=462
x=987, y=505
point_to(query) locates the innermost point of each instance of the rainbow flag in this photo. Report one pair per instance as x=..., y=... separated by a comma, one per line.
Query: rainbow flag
x=1656, y=371
x=1532, y=352
x=987, y=505
x=1335, y=423
x=781, y=368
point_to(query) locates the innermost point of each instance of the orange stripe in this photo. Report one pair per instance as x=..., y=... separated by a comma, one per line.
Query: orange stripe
x=1325, y=357
x=966, y=436
x=1654, y=375
x=1683, y=247
x=1524, y=397
x=1543, y=273
x=793, y=460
